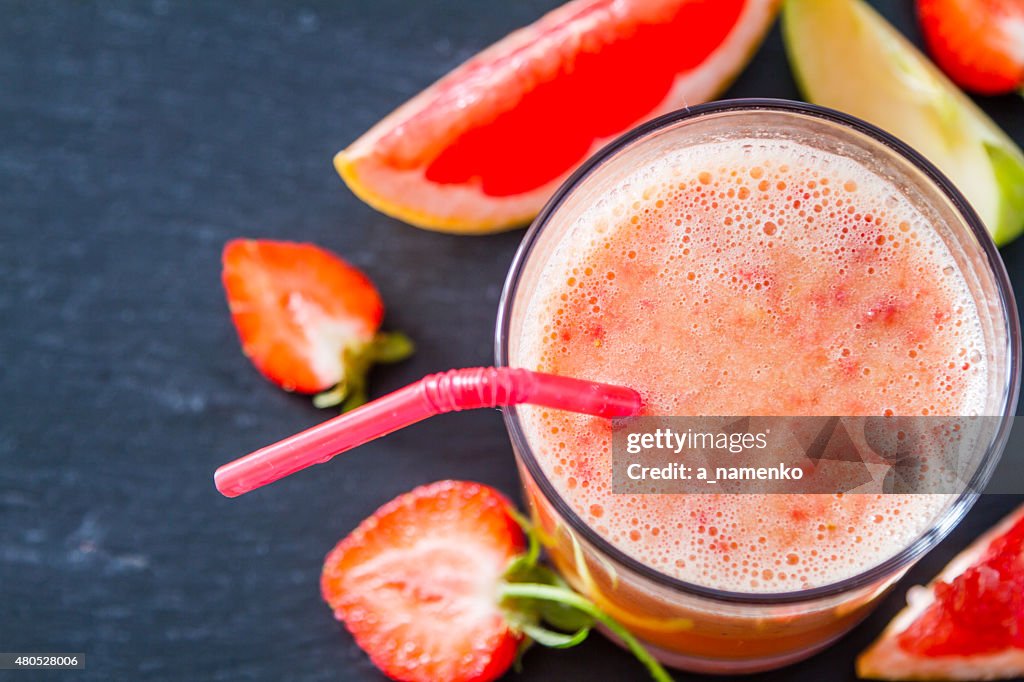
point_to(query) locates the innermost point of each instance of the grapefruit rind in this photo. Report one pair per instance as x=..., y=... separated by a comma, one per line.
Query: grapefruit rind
x=846, y=56
x=405, y=193
x=886, y=660
x=454, y=208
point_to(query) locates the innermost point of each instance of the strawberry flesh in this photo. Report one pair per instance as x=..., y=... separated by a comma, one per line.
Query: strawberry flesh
x=298, y=310
x=416, y=583
x=978, y=43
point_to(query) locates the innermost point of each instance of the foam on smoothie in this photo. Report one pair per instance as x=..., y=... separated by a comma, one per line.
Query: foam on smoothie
x=753, y=277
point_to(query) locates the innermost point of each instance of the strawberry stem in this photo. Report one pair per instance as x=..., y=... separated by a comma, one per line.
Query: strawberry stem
x=390, y=347
x=330, y=397
x=533, y=550
x=532, y=594
x=564, y=595
x=350, y=392
x=553, y=639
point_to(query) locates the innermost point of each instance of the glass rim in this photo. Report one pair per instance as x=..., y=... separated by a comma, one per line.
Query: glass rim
x=953, y=514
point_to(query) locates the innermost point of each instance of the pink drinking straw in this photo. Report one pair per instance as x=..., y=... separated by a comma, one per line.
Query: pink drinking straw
x=451, y=391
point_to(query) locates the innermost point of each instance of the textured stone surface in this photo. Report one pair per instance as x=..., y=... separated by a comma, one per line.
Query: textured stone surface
x=136, y=138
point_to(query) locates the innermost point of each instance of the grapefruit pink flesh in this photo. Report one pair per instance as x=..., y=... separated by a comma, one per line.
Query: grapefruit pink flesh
x=625, y=73
x=968, y=624
x=979, y=611
x=483, y=148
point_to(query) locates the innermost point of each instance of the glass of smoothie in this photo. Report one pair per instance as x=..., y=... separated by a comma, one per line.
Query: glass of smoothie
x=751, y=257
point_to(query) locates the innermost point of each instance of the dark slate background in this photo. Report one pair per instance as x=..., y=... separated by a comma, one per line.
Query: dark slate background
x=135, y=139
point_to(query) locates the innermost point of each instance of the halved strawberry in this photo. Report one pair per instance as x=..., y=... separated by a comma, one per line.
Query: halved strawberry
x=978, y=43
x=441, y=584
x=417, y=583
x=307, y=319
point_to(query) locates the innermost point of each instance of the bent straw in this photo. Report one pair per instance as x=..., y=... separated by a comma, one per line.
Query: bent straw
x=451, y=391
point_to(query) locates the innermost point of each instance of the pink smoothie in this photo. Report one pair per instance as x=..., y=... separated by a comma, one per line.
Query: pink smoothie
x=777, y=280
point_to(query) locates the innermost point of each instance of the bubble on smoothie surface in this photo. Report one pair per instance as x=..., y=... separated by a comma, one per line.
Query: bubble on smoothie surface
x=751, y=277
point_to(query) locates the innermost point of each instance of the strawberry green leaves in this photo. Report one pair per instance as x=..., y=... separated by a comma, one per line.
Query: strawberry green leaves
x=540, y=604
x=350, y=392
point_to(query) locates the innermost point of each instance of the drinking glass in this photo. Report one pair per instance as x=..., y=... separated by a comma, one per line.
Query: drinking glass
x=696, y=627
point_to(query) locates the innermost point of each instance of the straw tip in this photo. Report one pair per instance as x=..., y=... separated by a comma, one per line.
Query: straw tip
x=628, y=403
x=225, y=483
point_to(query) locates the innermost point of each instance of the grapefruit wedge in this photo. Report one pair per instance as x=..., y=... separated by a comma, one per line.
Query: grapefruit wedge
x=846, y=56
x=482, y=149
x=967, y=624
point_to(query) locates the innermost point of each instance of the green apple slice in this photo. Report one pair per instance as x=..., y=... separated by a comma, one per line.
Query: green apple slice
x=846, y=56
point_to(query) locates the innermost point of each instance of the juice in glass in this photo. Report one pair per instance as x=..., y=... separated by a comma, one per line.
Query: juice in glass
x=757, y=258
